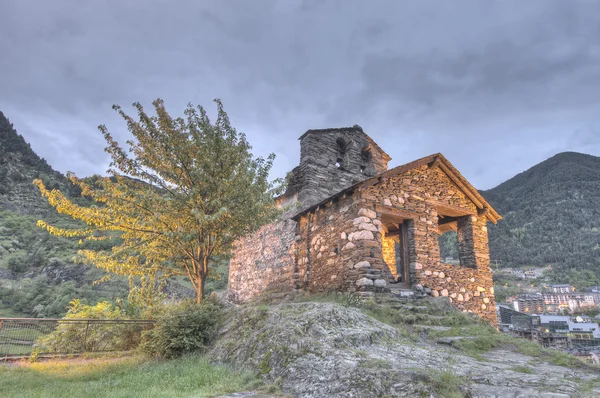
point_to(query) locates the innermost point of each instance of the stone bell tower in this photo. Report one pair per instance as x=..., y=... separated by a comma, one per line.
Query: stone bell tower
x=334, y=159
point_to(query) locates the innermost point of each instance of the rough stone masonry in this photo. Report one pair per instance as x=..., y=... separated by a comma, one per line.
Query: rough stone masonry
x=352, y=225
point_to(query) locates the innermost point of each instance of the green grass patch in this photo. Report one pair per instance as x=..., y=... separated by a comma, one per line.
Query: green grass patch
x=446, y=383
x=488, y=338
x=123, y=377
x=522, y=369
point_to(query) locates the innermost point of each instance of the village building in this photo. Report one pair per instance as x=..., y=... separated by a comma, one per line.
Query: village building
x=351, y=225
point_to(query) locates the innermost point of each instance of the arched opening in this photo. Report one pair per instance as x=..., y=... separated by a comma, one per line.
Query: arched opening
x=365, y=159
x=342, y=149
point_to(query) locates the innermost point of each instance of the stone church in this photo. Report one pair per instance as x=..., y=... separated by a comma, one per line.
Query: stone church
x=352, y=225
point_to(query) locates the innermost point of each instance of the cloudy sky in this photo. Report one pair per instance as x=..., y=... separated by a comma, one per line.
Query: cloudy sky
x=496, y=86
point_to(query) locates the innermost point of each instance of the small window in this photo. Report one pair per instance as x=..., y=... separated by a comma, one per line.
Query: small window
x=365, y=159
x=342, y=149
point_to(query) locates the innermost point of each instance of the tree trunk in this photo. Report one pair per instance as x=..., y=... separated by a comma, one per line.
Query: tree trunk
x=199, y=287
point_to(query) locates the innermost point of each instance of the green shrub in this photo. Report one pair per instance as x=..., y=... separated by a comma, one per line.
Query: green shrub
x=17, y=264
x=185, y=328
x=72, y=337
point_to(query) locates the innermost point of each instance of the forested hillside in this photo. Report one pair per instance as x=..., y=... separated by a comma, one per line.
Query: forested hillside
x=551, y=216
x=38, y=275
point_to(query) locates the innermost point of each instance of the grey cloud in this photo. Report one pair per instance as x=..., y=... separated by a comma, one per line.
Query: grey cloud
x=516, y=78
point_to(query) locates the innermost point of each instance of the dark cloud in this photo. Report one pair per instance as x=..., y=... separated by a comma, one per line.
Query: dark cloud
x=496, y=86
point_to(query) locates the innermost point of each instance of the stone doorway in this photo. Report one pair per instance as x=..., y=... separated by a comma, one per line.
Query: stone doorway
x=395, y=247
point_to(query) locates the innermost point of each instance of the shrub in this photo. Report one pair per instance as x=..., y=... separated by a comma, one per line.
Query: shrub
x=17, y=264
x=71, y=337
x=185, y=328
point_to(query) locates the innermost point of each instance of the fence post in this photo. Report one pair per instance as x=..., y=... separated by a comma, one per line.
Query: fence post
x=87, y=326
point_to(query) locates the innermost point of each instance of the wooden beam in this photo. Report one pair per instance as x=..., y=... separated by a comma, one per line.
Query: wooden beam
x=451, y=226
x=446, y=209
x=446, y=220
x=397, y=214
x=483, y=212
x=392, y=234
x=435, y=163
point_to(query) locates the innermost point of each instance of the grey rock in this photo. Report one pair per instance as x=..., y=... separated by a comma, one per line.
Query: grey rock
x=330, y=350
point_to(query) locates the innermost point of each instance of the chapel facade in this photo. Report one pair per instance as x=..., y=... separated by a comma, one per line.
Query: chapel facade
x=352, y=225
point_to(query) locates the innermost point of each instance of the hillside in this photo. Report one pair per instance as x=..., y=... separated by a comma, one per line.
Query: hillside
x=38, y=276
x=551, y=216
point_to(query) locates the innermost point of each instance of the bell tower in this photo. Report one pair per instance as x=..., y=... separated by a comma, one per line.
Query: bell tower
x=334, y=159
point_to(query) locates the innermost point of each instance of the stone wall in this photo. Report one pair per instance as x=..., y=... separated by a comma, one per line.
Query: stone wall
x=341, y=245
x=326, y=254
x=419, y=195
x=263, y=261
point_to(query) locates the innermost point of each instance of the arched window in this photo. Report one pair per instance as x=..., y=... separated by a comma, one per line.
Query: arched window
x=365, y=159
x=342, y=148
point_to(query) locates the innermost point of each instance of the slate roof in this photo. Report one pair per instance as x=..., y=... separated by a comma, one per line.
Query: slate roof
x=442, y=162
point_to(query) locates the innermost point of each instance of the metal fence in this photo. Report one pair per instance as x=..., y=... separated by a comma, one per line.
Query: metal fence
x=22, y=336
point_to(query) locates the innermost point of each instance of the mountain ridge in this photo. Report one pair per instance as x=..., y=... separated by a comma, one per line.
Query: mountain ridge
x=551, y=215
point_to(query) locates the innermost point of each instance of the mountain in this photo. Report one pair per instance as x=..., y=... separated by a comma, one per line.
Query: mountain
x=38, y=272
x=38, y=275
x=551, y=216
x=19, y=166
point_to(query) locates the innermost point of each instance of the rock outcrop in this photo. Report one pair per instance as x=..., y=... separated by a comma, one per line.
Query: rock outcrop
x=316, y=349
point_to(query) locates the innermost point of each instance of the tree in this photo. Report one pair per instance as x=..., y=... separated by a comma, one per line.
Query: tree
x=182, y=194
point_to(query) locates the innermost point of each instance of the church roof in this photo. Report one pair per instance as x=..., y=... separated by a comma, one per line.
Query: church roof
x=435, y=160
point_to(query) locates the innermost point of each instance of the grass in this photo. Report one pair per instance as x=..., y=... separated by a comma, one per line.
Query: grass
x=446, y=383
x=522, y=369
x=487, y=338
x=123, y=377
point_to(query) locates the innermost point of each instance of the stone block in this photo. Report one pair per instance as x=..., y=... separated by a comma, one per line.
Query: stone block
x=364, y=282
x=362, y=235
x=367, y=213
x=380, y=283
x=360, y=220
x=444, y=293
x=367, y=227
x=362, y=264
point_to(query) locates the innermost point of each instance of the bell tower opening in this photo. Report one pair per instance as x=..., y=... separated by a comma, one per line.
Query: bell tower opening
x=342, y=152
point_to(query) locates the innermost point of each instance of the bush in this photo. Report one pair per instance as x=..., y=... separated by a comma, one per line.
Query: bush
x=79, y=337
x=17, y=264
x=186, y=328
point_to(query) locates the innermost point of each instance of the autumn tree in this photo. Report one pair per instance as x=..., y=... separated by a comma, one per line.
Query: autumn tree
x=181, y=193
